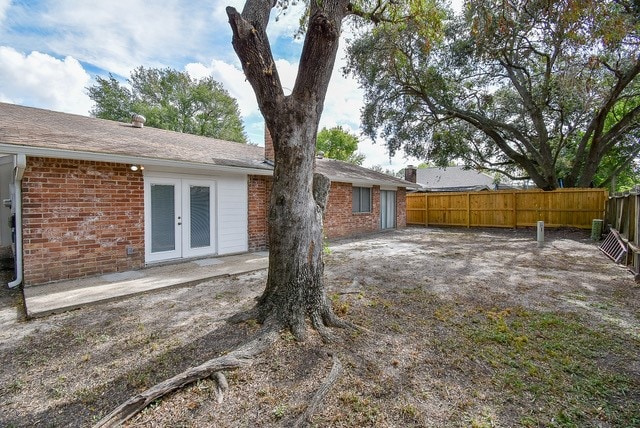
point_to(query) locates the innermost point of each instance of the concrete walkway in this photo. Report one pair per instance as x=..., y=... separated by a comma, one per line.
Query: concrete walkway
x=58, y=297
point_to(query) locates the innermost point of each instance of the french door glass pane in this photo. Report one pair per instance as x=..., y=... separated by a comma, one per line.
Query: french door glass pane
x=163, y=236
x=200, y=220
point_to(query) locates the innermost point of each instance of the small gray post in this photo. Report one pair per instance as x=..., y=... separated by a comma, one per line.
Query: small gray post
x=540, y=233
x=596, y=229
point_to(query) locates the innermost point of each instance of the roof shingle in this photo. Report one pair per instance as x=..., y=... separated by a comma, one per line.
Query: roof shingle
x=30, y=127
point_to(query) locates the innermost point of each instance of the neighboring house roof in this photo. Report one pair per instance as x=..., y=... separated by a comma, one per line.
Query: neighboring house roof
x=453, y=178
x=38, y=132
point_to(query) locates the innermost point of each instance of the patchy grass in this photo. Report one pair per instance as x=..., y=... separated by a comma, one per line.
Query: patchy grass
x=485, y=367
x=509, y=336
x=554, y=363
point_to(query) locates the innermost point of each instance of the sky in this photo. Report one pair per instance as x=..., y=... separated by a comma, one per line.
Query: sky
x=52, y=50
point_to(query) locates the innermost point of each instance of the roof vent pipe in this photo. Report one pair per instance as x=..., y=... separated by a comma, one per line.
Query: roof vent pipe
x=137, y=120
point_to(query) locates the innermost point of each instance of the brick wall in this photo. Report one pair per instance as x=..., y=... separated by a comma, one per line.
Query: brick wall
x=401, y=208
x=339, y=218
x=79, y=218
x=259, y=190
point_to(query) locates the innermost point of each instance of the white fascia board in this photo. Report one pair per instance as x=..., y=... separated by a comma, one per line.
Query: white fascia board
x=125, y=159
x=369, y=183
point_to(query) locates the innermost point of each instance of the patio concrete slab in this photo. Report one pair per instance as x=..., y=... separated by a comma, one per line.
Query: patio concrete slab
x=58, y=297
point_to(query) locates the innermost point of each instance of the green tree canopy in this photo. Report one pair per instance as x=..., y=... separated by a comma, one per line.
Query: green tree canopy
x=172, y=100
x=336, y=143
x=543, y=90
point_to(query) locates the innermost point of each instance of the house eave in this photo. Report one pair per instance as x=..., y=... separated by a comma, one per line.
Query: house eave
x=370, y=183
x=13, y=149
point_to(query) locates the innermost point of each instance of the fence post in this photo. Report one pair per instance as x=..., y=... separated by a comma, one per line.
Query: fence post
x=426, y=209
x=540, y=233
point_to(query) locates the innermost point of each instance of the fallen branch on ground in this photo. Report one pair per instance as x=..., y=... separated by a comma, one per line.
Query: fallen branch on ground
x=240, y=357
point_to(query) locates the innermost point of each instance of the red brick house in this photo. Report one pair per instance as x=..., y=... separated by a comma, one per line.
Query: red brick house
x=90, y=196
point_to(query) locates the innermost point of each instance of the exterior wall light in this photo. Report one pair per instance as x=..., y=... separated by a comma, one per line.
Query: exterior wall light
x=136, y=167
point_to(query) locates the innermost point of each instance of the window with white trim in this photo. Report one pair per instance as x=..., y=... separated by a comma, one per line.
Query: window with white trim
x=361, y=201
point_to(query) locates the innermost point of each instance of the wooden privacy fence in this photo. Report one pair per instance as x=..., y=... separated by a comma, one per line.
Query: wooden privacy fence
x=623, y=217
x=506, y=208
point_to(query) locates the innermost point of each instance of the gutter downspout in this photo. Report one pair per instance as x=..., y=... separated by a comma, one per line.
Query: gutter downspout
x=21, y=165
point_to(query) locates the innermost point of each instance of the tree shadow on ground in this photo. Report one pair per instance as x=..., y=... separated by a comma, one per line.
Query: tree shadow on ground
x=86, y=405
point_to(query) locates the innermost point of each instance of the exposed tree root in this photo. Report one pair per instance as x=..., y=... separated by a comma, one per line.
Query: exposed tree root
x=321, y=320
x=305, y=419
x=240, y=317
x=240, y=357
x=323, y=323
x=221, y=386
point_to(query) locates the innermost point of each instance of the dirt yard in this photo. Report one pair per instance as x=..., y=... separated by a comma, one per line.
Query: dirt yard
x=460, y=327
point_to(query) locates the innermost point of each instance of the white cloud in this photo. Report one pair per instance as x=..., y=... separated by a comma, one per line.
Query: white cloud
x=197, y=70
x=344, y=99
x=287, y=72
x=119, y=35
x=233, y=80
x=342, y=104
x=4, y=6
x=285, y=24
x=41, y=80
x=342, y=107
x=219, y=12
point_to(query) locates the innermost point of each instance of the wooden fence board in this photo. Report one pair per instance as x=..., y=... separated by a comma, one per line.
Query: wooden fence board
x=522, y=208
x=623, y=216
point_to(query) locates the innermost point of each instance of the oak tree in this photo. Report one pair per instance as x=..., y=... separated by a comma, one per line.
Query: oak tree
x=172, y=100
x=541, y=90
x=336, y=143
x=294, y=291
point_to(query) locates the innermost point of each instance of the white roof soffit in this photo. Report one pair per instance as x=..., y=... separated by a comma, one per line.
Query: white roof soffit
x=368, y=183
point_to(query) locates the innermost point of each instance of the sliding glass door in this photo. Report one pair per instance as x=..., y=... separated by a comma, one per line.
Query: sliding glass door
x=387, y=209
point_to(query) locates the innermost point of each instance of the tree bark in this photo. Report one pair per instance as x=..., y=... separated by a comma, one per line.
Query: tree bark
x=294, y=290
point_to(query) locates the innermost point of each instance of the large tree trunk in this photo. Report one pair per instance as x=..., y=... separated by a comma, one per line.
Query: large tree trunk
x=295, y=283
x=294, y=291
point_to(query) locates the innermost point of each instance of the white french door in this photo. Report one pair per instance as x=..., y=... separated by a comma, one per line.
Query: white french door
x=179, y=218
